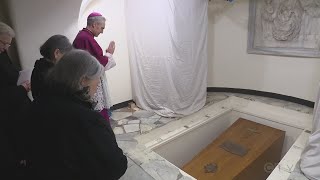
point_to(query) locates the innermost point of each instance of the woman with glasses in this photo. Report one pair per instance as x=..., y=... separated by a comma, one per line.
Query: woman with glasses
x=13, y=104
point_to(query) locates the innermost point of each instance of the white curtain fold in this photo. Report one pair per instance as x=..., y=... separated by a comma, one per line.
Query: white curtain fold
x=167, y=42
x=310, y=156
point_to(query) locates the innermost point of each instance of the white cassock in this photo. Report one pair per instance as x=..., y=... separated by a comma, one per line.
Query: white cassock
x=310, y=157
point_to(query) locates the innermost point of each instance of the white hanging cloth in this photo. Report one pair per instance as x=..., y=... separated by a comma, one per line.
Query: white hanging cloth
x=310, y=157
x=167, y=42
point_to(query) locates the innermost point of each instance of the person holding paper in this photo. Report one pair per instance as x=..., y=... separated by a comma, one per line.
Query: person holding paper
x=13, y=104
x=85, y=40
x=52, y=51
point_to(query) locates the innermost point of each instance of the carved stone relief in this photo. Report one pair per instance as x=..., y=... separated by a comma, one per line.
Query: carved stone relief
x=284, y=27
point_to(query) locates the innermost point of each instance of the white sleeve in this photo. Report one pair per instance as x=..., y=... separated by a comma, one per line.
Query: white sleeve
x=111, y=62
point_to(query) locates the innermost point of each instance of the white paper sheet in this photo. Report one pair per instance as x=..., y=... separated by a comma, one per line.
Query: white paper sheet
x=24, y=75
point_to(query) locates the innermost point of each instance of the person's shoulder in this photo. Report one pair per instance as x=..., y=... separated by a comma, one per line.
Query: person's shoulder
x=42, y=65
x=82, y=35
x=82, y=109
x=64, y=105
x=89, y=117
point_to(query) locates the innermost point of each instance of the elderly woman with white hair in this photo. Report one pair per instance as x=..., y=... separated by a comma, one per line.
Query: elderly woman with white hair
x=68, y=139
x=13, y=103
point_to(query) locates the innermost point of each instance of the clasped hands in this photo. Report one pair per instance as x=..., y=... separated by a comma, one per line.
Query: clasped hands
x=111, y=48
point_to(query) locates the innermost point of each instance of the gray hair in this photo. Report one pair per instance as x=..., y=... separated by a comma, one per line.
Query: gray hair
x=74, y=66
x=5, y=29
x=92, y=20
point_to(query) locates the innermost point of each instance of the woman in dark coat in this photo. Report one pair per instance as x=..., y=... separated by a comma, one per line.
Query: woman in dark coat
x=68, y=139
x=52, y=51
x=13, y=105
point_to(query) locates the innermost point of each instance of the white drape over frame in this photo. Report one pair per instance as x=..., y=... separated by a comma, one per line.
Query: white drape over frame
x=167, y=42
x=310, y=156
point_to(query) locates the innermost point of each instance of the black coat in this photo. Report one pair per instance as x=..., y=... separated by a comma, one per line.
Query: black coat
x=68, y=140
x=40, y=70
x=14, y=103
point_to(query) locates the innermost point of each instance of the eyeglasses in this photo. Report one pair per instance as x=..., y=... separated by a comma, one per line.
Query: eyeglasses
x=7, y=45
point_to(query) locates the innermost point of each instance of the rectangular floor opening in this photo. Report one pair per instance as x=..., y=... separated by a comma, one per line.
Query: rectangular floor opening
x=181, y=149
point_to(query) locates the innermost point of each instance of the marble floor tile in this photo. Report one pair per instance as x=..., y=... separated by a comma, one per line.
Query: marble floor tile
x=185, y=178
x=161, y=170
x=246, y=96
x=120, y=115
x=143, y=114
x=298, y=107
x=261, y=98
x=126, y=136
x=134, y=122
x=220, y=97
x=125, y=109
x=118, y=130
x=135, y=172
x=113, y=123
x=149, y=120
x=122, y=122
x=131, y=118
x=167, y=120
x=127, y=145
x=277, y=103
x=131, y=128
x=130, y=162
x=144, y=128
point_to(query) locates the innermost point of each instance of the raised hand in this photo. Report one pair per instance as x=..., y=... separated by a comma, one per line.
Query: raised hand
x=111, y=47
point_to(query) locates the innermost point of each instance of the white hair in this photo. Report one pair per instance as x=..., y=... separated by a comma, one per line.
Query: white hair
x=5, y=29
x=92, y=20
